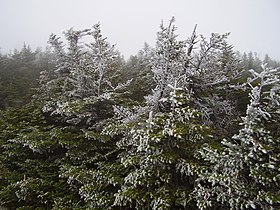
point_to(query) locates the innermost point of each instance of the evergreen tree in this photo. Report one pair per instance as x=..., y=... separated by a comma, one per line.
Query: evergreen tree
x=30, y=160
x=19, y=73
x=244, y=170
x=158, y=140
x=270, y=62
x=84, y=76
x=138, y=68
x=105, y=133
x=158, y=155
x=168, y=62
x=214, y=68
x=80, y=98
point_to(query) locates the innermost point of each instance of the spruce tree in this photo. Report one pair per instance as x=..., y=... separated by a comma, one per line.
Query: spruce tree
x=158, y=140
x=80, y=98
x=31, y=157
x=244, y=170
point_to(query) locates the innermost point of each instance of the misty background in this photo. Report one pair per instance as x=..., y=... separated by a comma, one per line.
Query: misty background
x=171, y=124
x=253, y=24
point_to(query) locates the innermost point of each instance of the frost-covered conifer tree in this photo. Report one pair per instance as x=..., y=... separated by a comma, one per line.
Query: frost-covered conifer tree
x=60, y=92
x=158, y=140
x=158, y=155
x=215, y=69
x=244, y=170
x=80, y=99
x=31, y=157
x=138, y=68
x=205, y=67
x=102, y=54
x=83, y=75
x=168, y=63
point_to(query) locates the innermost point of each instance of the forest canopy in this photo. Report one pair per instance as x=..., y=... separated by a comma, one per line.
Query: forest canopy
x=185, y=124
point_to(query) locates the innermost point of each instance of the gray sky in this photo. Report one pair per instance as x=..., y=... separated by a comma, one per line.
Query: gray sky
x=254, y=24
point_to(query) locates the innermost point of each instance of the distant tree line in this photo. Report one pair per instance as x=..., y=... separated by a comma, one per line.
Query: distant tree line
x=186, y=124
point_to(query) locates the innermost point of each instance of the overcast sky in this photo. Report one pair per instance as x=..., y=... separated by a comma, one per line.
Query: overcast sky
x=254, y=24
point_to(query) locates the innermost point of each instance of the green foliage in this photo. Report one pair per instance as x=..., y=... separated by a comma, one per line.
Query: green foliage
x=18, y=75
x=31, y=157
x=138, y=68
x=244, y=170
x=162, y=130
x=158, y=154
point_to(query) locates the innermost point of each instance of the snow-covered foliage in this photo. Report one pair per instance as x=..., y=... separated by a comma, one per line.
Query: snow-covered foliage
x=168, y=63
x=83, y=75
x=158, y=155
x=215, y=67
x=159, y=138
x=102, y=55
x=205, y=68
x=244, y=170
x=171, y=138
x=82, y=94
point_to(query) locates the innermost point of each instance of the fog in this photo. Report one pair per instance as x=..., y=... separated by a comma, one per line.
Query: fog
x=129, y=23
